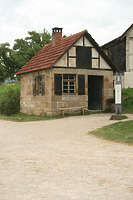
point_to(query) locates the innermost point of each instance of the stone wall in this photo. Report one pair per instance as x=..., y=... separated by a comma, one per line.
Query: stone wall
x=50, y=103
x=38, y=104
x=81, y=100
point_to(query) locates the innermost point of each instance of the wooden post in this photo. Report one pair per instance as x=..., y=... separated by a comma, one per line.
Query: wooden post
x=83, y=111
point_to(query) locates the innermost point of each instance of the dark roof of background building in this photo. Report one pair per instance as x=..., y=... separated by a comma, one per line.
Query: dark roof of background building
x=116, y=40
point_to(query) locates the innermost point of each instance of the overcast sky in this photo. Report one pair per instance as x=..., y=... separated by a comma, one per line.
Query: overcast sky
x=104, y=19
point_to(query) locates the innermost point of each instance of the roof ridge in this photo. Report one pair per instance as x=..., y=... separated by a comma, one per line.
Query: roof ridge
x=75, y=34
x=117, y=38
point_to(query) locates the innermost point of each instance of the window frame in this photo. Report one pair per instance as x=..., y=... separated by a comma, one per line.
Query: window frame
x=61, y=84
x=39, y=85
x=68, y=80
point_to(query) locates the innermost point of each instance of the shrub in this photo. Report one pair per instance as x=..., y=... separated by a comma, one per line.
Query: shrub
x=11, y=102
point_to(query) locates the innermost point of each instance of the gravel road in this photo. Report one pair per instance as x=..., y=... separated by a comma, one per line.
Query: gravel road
x=59, y=160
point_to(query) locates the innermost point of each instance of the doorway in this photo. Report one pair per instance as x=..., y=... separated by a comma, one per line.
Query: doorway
x=95, y=87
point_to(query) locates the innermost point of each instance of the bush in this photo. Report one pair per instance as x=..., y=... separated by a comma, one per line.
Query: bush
x=11, y=102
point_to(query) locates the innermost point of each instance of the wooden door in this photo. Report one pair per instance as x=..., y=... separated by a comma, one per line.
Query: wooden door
x=95, y=84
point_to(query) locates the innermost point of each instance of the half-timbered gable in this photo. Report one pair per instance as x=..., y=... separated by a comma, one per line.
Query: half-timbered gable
x=82, y=55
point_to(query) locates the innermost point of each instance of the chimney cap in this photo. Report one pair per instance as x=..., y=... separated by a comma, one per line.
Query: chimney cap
x=57, y=29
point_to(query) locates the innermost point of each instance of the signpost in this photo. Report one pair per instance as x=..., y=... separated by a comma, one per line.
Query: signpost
x=118, y=95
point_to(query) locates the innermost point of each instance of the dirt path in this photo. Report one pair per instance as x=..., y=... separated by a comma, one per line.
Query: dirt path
x=59, y=160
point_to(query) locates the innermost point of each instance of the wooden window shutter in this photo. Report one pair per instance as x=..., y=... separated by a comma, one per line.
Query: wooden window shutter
x=81, y=84
x=34, y=86
x=84, y=57
x=58, y=84
x=43, y=85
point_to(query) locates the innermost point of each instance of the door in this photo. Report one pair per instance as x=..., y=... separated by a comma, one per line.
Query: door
x=95, y=85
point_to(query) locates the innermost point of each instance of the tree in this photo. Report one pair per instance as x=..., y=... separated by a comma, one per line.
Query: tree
x=38, y=40
x=11, y=60
x=6, y=61
x=25, y=49
x=2, y=77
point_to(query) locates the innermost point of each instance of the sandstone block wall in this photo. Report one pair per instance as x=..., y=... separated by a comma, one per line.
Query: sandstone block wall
x=50, y=103
x=38, y=105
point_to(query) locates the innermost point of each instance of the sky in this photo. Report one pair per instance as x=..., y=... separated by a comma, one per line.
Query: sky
x=105, y=20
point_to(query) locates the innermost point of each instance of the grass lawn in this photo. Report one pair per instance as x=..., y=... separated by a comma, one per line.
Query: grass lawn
x=20, y=117
x=119, y=132
x=127, y=100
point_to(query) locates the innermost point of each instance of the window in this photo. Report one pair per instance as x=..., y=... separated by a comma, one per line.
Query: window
x=34, y=86
x=38, y=85
x=64, y=84
x=81, y=84
x=68, y=84
x=84, y=57
x=41, y=85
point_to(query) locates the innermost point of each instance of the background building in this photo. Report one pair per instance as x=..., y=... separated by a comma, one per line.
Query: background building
x=120, y=51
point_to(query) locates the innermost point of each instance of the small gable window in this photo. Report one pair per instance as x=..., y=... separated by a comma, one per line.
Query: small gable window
x=84, y=57
x=38, y=85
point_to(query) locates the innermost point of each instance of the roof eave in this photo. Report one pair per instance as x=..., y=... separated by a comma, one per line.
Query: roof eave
x=118, y=39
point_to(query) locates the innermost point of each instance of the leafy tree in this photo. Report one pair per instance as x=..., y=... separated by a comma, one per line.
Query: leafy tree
x=2, y=77
x=6, y=61
x=64, y=36
x=21, y=53
x=11, y=60
x=25, y=49
x=37, y=40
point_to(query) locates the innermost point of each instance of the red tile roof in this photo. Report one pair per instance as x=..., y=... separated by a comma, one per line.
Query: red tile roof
x=49, y=54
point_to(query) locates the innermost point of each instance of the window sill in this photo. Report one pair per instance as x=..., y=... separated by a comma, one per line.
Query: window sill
x=68, y=94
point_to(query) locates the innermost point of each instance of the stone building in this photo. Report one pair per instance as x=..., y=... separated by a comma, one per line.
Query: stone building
x=69, y=72
x=120, y=51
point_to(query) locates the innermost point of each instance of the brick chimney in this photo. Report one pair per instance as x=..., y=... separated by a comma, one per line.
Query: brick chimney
x=57, y=35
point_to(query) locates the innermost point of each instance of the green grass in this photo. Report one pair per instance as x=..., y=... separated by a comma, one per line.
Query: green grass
x=127, y=100
x=118, y=117
x=21, y=117
x=118, y=132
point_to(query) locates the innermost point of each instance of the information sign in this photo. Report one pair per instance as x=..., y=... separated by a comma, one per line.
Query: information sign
x=118, y=94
